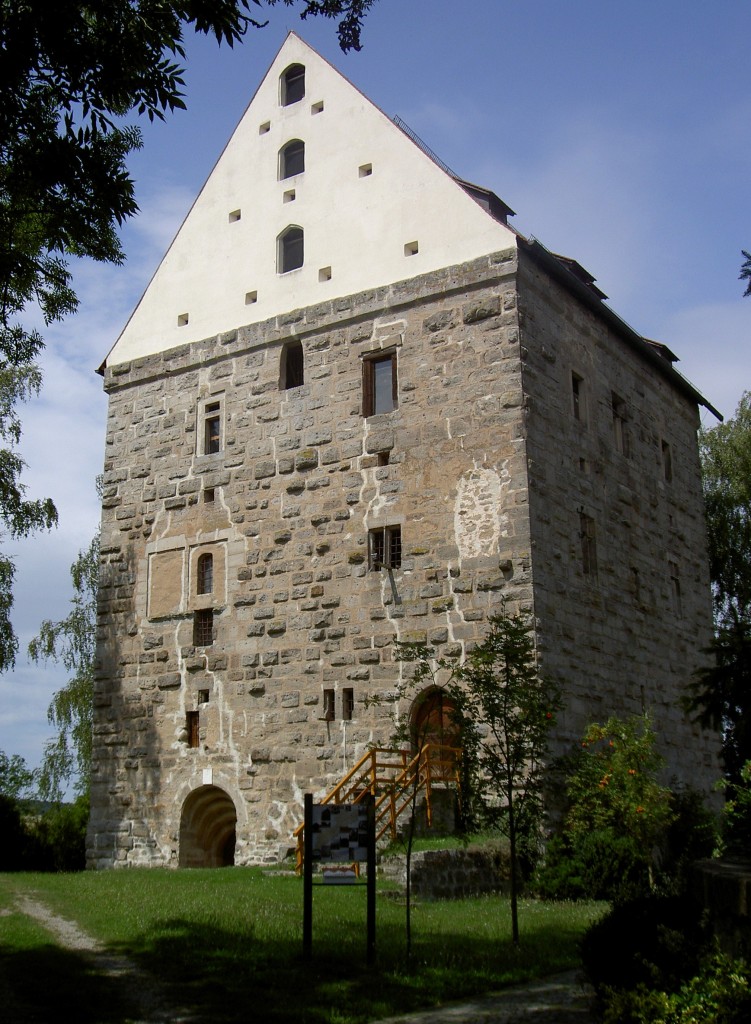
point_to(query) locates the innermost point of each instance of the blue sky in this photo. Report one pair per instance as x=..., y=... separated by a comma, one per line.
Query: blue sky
x=620, y=134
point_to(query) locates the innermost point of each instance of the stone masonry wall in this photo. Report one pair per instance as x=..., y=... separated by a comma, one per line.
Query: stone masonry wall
x=300, y=479
x=625, y=637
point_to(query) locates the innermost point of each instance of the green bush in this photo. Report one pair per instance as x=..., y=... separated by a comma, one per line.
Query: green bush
x=657, y=941
x=600, y=865
x=59, y=838
x=720, y=993
x=737, y=815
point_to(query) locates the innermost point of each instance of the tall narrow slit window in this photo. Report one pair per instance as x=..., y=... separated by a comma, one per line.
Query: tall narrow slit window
x=379, y=384
x=578, y=398
x=203, y=627
x=588, y=544
x=191, y=727
x=385, y=548
x=292, y=84
x=329, y=705
x=348, y=703
x=620, y=430
x=667, y=461
x=291, y=159
x=292, y=366
x=205, y=574
x=212, y=428
x=291, y=250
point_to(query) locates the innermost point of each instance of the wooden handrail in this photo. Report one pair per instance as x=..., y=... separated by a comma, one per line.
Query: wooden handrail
x=401, y=774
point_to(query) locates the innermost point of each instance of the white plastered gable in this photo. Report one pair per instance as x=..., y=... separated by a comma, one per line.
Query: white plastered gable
x=373, y=207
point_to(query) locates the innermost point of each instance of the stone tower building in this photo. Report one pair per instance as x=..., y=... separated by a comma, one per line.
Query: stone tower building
x=354, y=404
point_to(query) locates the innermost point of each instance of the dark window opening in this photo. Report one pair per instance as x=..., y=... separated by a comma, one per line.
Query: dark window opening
x=348, y=703
x=577, y=398
x=385, y=547
x=203, y=627
x=203, y=696
x=291, y=159
x=675, y=589
x=380, y=389
x=212, y=439
x=620, y=431
x=667, y=462
x=588, y=544
x=293, y=84
x=292, y=369
x=291, y=250
x=208, y=495
x=205, y=574
x=383, y=458
x=329, y=706
x=191, y=726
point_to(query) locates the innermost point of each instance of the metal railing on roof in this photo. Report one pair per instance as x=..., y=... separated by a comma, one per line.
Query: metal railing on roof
x=423, y=146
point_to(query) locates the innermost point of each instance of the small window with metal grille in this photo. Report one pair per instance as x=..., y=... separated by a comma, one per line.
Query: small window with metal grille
x=203, y=627
x=385, y=547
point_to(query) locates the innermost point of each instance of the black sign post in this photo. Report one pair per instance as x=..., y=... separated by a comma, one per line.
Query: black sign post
x=338, y=832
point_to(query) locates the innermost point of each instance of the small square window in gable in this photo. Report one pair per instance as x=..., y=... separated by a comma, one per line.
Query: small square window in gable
x=250, y=298
x=365, y=170
x=265, y=128
x=324, y=274
x=235, y=216
x=289, y=196
x=182, y=319
x=317, y=108
x=411, y=248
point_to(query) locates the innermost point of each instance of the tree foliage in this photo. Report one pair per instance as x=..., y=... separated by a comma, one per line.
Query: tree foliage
x=504, y=713
x=726, y=472
x=16, y=779
x=745, y=274
x=70, y=73
x=72, y=642
x=720, y=693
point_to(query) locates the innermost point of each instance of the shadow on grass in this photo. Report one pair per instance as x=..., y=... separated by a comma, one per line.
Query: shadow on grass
x=224, y=978
x=48, y=984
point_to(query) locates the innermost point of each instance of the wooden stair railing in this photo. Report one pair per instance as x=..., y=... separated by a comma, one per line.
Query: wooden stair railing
x=393, y=777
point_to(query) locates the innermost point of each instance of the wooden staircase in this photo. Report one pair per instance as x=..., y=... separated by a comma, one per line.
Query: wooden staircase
x=394, y=777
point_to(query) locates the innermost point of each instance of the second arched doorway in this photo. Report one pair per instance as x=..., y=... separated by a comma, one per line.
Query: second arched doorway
x=207, y=829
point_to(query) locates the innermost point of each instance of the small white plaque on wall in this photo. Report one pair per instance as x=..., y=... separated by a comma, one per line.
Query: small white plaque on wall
x=208, y=776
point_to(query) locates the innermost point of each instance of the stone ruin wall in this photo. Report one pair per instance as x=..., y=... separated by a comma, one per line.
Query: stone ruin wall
x=299, y=481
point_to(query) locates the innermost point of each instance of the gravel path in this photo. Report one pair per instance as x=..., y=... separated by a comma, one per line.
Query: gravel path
x=140, y=989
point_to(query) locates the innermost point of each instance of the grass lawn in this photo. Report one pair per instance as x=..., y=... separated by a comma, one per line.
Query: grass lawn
x=228, y=943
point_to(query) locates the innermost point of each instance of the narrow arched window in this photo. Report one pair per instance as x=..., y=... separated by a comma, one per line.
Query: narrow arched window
x=291, y=159
x=292, y=367
x=205, y=572
x=292, y=84
x=291, y=252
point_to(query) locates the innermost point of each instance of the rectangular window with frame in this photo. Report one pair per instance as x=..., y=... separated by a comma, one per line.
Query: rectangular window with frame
x=385, y=547
x=348, y=703
x=212, y=428
x=203, y=627
x=588, y=544
x=379, y=384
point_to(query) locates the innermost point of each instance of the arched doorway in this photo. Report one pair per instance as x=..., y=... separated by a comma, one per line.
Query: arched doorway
x=207, y=829
x=433, y=719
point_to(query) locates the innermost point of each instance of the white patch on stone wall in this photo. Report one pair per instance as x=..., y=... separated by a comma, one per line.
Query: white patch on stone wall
x=478, y=516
